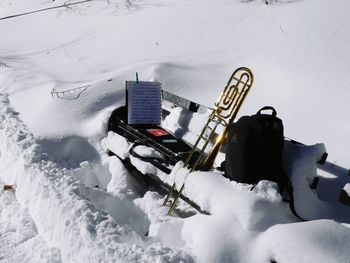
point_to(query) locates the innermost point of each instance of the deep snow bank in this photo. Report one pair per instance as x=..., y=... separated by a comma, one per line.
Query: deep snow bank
x=53, y=199
x=19, y=238
x=254, y=226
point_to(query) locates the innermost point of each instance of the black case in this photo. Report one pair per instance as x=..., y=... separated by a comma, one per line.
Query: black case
x=173, y=148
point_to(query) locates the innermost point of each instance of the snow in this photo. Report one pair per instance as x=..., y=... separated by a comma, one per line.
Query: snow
x=347, y=189
x=63, y=71
x=121, y=184
x=19, y=238
x=65, y=212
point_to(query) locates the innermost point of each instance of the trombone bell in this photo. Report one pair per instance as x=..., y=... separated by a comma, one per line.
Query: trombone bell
x=225, y=111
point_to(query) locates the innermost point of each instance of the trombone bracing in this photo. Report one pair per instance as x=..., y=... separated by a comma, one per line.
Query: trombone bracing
x=224, y=112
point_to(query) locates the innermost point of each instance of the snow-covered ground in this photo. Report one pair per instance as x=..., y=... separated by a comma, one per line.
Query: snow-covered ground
x=62, y=72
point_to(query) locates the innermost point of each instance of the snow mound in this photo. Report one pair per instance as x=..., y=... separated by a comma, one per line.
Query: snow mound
x=65, y=212
x=245, y=225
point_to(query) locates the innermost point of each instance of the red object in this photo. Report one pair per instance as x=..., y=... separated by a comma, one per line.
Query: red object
x=157, y=132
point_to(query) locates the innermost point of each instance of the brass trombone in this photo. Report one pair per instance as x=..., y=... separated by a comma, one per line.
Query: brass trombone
x=224, y=112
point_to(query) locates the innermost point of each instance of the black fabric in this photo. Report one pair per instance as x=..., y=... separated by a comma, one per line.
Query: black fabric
x=254, y=146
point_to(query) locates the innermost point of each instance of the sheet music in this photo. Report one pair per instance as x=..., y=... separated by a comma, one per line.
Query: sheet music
x=144, y=102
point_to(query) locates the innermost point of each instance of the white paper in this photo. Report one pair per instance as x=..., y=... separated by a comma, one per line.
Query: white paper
x=144, y=102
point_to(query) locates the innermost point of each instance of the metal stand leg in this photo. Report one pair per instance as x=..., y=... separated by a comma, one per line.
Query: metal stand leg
x=173, y=205
x=169, y=195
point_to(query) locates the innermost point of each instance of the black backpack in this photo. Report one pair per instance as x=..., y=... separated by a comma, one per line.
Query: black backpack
x=254, y=146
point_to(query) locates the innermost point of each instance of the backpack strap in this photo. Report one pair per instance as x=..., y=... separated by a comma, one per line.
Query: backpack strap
x=285, y=185
x=290, y=191
x=157, y=162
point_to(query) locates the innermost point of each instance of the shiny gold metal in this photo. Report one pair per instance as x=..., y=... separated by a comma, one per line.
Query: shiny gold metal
x=227, y=108
x=224, y=112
